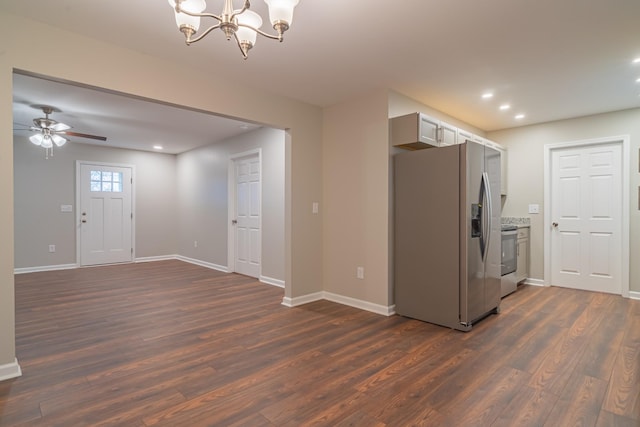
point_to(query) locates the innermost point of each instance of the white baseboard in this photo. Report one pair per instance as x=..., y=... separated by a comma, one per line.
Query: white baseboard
x=202, y=263
x=23, y=270
x=534, y=282
x=362, y=305
x=634, y=295
x=340, y=299
x=156, y=258
x=304, y=299
x=10, y=370
x=271, y=281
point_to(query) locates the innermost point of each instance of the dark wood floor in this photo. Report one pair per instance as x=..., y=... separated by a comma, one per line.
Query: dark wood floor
x=173, y=344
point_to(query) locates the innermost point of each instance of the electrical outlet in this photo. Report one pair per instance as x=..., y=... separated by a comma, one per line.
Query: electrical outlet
x=534, y=209
x=195, y=243
x=360, y=272
x=52, y=248
x=314, y=207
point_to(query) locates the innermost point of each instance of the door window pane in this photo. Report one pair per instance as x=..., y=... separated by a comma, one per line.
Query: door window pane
x=106, y=181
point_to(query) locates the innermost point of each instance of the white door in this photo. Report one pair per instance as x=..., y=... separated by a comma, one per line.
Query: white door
x=105, y=214
x=586, y=216
x=248, y=235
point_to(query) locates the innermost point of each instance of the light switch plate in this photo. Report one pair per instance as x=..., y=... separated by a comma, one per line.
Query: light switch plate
x=66, y=208
x=534, y=209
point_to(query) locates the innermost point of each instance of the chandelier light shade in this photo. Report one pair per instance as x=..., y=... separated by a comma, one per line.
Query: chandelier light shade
x=241, y=24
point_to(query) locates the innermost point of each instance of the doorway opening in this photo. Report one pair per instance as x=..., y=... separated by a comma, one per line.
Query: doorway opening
x=586, y=215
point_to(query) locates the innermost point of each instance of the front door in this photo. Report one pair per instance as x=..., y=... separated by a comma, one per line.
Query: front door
x=248, y=235
x=106, y=214
x=586, y=217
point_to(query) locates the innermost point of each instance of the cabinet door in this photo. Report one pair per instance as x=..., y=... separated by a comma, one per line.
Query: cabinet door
x=428, y=130
x=464, y=136
x=503, y=170
x=522, y=272
x=448, y=134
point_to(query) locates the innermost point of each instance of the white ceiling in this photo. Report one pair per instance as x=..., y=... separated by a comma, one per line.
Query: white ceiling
x=549, y=59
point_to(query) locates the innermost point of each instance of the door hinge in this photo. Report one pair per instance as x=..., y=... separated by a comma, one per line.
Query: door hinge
x=131, y=215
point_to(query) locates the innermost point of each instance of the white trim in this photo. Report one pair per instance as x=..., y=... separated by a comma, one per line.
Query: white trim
x=340, y=299
x=10, y=370
x=304, y=299
x=79, y=163
x=634, y=295
x=231, y=205
x=626, y=161
x=156, y=258
x=362, y=305
x=271, y=281
x=533, y=282
x=23, y=270
x=203, y=263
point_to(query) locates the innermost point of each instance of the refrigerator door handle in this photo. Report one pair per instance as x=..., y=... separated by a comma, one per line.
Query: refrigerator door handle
x=488, y=214
x=482, y=213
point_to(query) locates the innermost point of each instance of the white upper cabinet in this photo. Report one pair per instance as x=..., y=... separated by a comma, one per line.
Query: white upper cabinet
x=416, y=131
x=448, y=134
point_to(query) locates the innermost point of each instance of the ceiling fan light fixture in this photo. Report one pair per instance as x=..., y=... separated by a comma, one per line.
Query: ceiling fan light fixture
x=58, y=140
x=46, y=142
x=36, y=139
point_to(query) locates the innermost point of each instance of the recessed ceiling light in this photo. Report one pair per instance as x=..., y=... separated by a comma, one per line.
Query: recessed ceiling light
x=636, y=61
x=638, y=80
x=157, y=147
x=505, y=107
x=519, y=116
x=487, y=95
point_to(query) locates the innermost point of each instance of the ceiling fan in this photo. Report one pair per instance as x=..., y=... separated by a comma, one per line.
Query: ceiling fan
x=50, y=133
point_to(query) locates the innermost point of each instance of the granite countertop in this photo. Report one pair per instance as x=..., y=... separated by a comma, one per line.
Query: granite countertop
x=520, y=222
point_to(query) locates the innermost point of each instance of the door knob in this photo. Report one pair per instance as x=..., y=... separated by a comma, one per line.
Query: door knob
x=555, y=224
x=84, y=220
x=234, y=221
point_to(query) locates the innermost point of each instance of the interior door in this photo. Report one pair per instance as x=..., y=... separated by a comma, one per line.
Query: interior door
x=105, y=214
x=586, y=214
x=248, y=235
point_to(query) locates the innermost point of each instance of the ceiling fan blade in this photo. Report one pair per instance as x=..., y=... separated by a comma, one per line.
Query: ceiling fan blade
x=58, y=127
x=83, y=135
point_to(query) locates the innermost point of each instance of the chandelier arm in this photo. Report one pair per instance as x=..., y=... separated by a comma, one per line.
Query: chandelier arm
x=262, y=33
x=207, y=31
x=197, y=15
x=244, y=54
x=247, y=5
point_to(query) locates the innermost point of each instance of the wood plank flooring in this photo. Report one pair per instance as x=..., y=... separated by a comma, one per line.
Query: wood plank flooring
x=173, y=344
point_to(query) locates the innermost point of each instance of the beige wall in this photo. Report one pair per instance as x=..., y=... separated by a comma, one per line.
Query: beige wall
x=87, y=61
x=356, y=198
x=526, y=174
x=41, y=186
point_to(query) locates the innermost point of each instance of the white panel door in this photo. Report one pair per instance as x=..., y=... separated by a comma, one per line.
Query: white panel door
x=586, y=213
x=248, y=204
x=105, y=214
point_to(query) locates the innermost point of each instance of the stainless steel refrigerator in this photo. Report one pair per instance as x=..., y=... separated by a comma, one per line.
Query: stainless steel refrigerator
x=447, y=234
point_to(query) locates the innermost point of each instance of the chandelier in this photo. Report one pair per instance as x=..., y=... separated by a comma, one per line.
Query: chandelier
x=241, y=24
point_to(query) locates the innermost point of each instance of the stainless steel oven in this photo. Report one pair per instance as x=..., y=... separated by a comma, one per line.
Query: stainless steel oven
x=509, y=261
